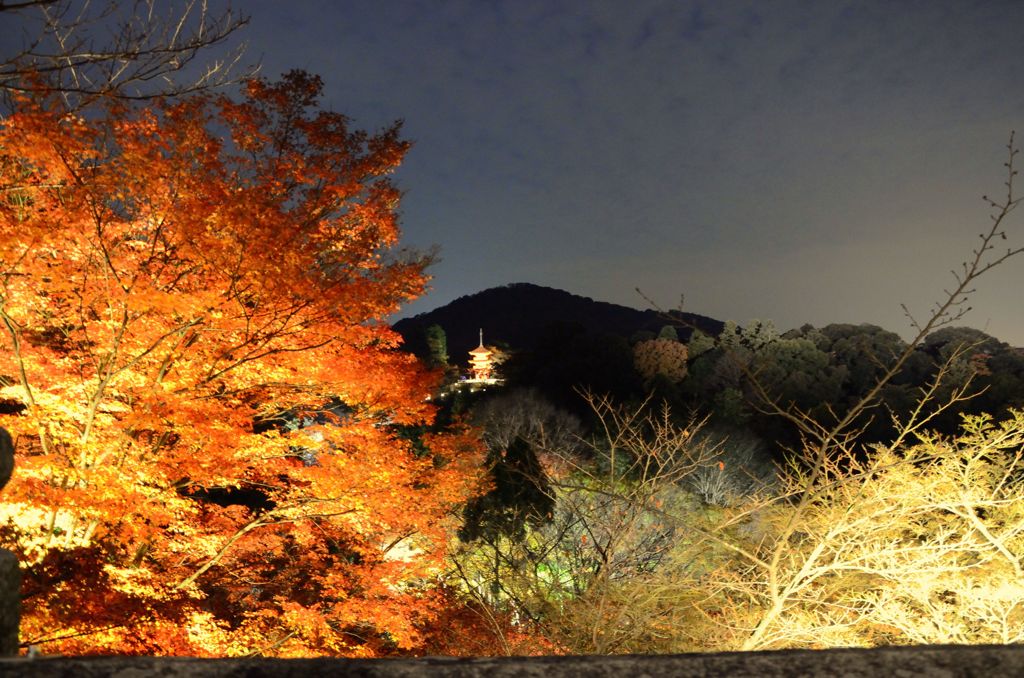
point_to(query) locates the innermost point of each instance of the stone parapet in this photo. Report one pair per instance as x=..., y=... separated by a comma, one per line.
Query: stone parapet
x=950, y=661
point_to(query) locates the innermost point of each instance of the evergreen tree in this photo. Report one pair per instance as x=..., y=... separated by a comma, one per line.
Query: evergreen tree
x=521, y=494
x=437, y=344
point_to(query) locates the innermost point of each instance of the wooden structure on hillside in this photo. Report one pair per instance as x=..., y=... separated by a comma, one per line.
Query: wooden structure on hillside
x=481, y=363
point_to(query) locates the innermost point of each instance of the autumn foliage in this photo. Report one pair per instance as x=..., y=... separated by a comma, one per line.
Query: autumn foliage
x=212, y=425
x=660, y=357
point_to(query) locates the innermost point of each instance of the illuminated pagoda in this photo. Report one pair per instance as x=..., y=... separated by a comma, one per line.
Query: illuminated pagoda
x=481, y=362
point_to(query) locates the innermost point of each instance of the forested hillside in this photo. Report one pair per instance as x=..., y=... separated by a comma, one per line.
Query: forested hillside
x=518, y=316
x=558, y=344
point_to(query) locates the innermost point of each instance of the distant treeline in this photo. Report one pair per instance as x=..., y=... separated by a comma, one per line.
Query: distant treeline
x=817, y=371
x=560, y=344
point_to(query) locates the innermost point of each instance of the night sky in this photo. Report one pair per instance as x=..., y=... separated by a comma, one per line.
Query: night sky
x=794, y=161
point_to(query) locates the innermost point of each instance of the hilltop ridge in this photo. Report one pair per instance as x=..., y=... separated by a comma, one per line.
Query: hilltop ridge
x=515, y=315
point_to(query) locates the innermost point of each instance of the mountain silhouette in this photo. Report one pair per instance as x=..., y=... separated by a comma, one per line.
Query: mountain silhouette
x=515, y=316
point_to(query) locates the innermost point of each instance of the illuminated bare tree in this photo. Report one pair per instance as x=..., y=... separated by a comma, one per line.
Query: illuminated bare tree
x=593, y=577
x=828, y=442
x=918, y=540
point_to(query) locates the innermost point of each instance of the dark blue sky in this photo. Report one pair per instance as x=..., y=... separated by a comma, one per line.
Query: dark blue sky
x=797, y=161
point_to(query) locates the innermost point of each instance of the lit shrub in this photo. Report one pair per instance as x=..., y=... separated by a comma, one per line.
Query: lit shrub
x=660, y=357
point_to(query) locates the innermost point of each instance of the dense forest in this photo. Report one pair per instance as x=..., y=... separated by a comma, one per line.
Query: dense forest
x=725, y=372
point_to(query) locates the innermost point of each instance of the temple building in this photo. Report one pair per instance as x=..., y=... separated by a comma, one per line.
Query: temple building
x=481, y=363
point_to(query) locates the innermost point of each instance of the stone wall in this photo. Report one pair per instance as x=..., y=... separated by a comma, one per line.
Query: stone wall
x=952, y=661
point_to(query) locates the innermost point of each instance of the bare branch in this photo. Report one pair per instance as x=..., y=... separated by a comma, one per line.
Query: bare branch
x=87, y=50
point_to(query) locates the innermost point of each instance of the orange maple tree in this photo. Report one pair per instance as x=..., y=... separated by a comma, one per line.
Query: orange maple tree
x=212, y=422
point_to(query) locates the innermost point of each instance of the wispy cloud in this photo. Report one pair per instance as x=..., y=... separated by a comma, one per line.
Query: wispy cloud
x=677, y=133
